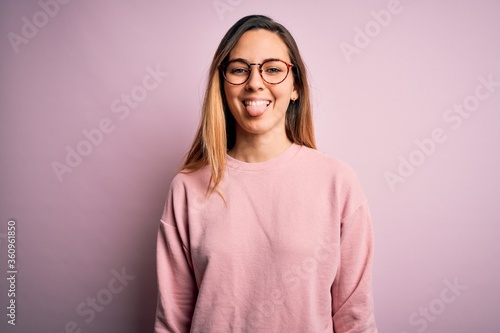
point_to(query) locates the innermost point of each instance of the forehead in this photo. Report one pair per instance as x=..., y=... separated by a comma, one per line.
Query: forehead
x=257, y=45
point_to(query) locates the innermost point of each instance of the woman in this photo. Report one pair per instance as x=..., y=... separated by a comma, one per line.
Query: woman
x=261, y=232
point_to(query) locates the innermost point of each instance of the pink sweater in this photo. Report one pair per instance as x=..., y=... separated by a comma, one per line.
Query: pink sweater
x=291, y=252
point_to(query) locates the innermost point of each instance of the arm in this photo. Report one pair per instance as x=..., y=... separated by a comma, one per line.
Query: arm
x=177, y=288
x=352, y=299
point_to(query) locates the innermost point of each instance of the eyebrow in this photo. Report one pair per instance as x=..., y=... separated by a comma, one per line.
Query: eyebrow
x=245, y=60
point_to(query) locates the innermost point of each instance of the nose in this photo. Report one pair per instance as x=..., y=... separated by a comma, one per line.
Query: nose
x=255, y=81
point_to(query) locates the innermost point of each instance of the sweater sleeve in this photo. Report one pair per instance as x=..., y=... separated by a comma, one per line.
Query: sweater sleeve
x=177, y=290
x=352, y=299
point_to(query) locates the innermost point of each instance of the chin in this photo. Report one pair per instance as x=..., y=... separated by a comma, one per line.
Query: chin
x=260, y=127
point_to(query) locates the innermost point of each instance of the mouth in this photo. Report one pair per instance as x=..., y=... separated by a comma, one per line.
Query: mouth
x=256, y=108
x=257, y=103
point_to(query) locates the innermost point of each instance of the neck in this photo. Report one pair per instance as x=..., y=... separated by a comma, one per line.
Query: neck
x=253, y=148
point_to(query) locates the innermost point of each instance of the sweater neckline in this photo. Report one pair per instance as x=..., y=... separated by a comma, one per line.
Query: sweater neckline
x=276, y=161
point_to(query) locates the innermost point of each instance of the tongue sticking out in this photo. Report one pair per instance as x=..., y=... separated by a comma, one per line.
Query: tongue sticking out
x=256, y=110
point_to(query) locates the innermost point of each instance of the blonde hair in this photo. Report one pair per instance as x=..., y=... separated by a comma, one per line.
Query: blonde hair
x=217, y=131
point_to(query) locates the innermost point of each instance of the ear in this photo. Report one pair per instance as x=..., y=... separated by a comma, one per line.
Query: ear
x=295, y=92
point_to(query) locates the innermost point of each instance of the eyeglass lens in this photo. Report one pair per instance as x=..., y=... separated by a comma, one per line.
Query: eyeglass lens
x=272, y=71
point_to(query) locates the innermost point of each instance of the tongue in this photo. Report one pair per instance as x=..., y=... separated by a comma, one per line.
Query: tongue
x=256, y=110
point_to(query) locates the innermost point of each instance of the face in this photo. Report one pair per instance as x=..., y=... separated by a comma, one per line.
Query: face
x=258, y=107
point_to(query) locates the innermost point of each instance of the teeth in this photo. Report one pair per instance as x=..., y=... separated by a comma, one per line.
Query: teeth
x=253, y=103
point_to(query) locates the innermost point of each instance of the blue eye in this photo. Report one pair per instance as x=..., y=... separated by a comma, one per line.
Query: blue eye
x=273, y=70
x=238, y=71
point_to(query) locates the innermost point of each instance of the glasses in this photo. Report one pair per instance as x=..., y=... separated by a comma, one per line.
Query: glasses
x=272, y=71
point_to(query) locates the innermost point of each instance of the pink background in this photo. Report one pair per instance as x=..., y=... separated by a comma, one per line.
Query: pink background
x=437, y=227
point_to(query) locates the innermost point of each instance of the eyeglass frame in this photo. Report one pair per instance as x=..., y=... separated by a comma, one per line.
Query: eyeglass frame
x=223, y=67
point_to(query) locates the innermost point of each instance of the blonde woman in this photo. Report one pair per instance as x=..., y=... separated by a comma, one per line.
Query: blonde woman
x=261, y=232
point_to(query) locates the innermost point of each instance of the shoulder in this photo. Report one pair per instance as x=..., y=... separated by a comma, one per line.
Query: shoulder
x=336, y=173
x=323, y=163
x=190, y=180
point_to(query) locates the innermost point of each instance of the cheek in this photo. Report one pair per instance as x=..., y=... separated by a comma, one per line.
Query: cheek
x=229, y=96
x=284, y=94
x=231, y=93
x=288, y=88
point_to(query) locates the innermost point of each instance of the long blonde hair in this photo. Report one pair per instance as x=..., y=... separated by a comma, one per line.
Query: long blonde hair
x=217, y=130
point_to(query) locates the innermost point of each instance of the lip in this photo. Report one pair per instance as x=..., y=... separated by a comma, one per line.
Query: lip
x=256, y=107
x=250, y=101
